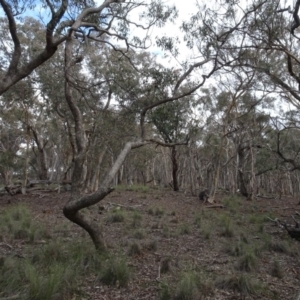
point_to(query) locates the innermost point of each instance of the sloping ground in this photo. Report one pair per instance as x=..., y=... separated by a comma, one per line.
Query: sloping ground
x=178, y=248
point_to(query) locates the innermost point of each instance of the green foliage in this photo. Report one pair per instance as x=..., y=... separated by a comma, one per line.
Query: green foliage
x=233, y=203
x=165, y=291
x=277, y=270
x=239, y=283
x=139, y=234
x=49, y=283
x=133, y=188
x=16, y=222
x=156, y=212
x=151, y=245
x=135, y=249
x=227, y=229
x=116, y=272
x=248, y=262
x=165, y=265
x=206, y=231
x=184, y=229
x=117, y=216
x=187, y=287
x=51, y=271
x=198, y=220
x=136, y=219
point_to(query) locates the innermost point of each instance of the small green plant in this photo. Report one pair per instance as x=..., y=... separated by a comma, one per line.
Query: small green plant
x=117, y=217
x=165, y=291
x=116, y=272
x=235, y=249
x=278, y=246
x=151, y=245
x=133, y=188
x=48, y=283
x=184, y=229
x=16, y=223
x=165, y=265
x=135, y=249
x=227, y=227
x=239, y=283
x=206, y=232
x=233, y=203
x=136, y=219
x=198, y=220
x=277, y=270
x=159, y=212
x=248, y=262
x=187, y=287
x=139, y=234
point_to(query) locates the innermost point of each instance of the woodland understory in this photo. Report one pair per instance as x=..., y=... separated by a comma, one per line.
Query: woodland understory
x=96, y=97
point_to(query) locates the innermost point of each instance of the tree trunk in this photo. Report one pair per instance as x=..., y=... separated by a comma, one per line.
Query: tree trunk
x=174, y=169
x=240, y=175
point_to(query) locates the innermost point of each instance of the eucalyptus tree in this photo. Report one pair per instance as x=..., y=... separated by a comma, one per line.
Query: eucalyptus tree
x=171, y=122
x=145, y=93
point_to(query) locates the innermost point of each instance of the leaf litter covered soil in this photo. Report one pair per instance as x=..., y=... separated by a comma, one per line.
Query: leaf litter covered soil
x=234, y=252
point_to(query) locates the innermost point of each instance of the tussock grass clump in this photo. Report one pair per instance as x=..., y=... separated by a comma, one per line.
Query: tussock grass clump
x=240, y=283
x=151, y=245
x=17, y=223
x=184, y=229
x=139, y=234
x=235, y=249
x=133, y=188
x=117, y=216
x=165, y=265
x=116, y=271
x=206, y=232
x=136, y=219
x=49, y=283
x=227, y=229
x=233, y=203
x=159, y=212
x=187, y=287
x=277, y=270
x=135, y=249
x=248, y=262
x=50, y=272
x=192, y=286
x=165, y=291
x=278, y=246
x=198, y=220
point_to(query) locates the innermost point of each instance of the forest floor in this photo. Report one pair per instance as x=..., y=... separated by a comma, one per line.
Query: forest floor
x=174, y=246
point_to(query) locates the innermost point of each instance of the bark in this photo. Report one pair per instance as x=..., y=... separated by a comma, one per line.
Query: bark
x=14, y=72
x=42, y=155
x=174, y=168
x=78, y=201
x=240, y=178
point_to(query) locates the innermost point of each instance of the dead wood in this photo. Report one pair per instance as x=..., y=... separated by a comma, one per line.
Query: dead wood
x=215, y=206
x=125, y=206
x=293, y=231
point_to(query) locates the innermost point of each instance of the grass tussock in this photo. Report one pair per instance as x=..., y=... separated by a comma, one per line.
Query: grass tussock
x=227, y=229
x=233, y=203
x=17, y=223
x=117, y=216
x=50, y=271
x=116, y=272
x=133, y=188
x=242, y=284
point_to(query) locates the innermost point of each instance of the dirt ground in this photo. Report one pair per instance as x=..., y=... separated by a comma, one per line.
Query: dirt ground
x=178, y=230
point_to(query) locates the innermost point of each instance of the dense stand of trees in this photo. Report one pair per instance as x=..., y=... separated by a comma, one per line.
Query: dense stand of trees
x=83, y=100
